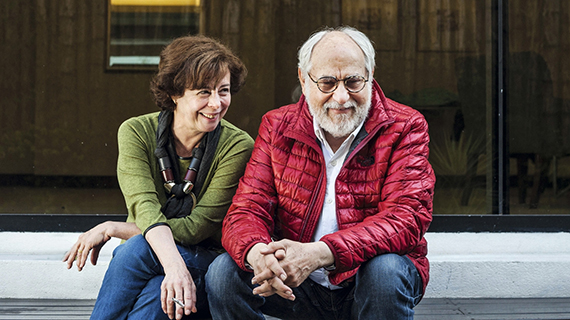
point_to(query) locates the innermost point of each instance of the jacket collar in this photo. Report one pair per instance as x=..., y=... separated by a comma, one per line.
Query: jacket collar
x=301, y=127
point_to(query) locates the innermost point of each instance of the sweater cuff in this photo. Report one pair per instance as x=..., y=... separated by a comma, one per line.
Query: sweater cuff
x=155, y=225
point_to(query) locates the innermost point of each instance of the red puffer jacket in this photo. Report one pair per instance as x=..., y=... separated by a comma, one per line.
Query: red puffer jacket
x=384, y=191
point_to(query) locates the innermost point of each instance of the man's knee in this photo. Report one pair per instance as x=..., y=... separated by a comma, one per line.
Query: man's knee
x=390, y=270
x=387, y=264
x=220, y=272
x=388, y=286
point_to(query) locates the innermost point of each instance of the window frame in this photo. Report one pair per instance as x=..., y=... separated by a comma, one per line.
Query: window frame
x=145, y=67
x=441, y=223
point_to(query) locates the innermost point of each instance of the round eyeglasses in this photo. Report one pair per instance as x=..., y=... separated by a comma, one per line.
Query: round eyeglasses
x=328, y=84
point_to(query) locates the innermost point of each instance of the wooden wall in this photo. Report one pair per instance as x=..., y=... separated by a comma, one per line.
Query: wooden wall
x=60, y=108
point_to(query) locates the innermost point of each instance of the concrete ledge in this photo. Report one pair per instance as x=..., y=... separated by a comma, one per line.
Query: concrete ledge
x=31, y=267
x=499, y=265
x=463, y=265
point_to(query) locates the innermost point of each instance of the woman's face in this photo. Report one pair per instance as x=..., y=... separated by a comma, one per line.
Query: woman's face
x=201, y=110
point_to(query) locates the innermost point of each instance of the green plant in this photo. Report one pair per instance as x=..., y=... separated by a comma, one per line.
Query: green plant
x=449, y=158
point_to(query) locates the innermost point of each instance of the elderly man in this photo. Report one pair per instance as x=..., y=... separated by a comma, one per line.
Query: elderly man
x=329, y=219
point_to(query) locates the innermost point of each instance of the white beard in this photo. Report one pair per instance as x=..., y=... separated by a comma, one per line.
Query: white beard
x=340, y=125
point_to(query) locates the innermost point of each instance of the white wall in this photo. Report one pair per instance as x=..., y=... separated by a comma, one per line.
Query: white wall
x=463, y=265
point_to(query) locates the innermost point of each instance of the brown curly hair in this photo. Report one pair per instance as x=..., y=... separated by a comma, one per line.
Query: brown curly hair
x=194, y=62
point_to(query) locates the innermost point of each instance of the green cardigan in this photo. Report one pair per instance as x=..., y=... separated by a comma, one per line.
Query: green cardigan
x=142, y=185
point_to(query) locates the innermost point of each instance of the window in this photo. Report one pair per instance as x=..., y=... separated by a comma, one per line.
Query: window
x=139, y=29
x=490, y=76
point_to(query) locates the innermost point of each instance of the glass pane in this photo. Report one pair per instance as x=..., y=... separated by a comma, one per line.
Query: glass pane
x=60, y=109
x=139, y=29
x=439, y=65
x=538, y=103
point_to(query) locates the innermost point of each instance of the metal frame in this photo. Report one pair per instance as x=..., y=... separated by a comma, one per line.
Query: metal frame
x=441, y=223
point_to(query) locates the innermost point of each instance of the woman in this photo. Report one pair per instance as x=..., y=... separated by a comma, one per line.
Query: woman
x=178, y=170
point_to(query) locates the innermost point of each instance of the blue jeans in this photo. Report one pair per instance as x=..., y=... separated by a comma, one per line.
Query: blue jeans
x=131, y=287
x=386, y=287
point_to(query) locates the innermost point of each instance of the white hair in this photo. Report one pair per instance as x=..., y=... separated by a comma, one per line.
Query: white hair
x=360, y=38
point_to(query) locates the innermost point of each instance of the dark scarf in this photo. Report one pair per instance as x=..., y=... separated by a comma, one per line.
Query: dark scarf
x=179, y=203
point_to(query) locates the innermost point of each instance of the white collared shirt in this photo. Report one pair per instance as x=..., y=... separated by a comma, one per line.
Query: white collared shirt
x=328, y=221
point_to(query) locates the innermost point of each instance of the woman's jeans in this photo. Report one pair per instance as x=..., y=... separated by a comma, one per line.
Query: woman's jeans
x=386, y=287
x=131, y=287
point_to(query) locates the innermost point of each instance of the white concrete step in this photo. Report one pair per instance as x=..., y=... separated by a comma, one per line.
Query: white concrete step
x=463, y=265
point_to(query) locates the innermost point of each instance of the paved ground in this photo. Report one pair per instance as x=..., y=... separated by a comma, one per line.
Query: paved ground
x=429, y=309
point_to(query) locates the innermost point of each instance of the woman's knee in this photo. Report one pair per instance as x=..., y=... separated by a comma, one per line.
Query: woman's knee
x=134, y=249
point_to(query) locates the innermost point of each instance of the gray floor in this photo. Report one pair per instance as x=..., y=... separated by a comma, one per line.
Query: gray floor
x=429, y=309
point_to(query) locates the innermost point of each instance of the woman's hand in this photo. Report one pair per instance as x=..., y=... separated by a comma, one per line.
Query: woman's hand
x=178, y=283
x=95, y=238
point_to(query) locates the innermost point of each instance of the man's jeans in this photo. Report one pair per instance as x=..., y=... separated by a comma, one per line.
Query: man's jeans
x=386, y=287
x=131, y=287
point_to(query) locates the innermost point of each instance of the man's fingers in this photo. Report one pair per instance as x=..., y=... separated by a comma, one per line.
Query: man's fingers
x=264, y=289
x=272, y=247
x=262, y=276
x=280, y=254
x=274, y=286
x=273, y=264
x=286, y=295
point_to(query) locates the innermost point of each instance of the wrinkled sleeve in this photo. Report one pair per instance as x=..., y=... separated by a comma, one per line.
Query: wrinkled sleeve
x=405, y=210
x=135, y=175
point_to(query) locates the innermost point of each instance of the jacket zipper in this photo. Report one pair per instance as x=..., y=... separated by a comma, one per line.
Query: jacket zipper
x=319, y=182
x=316, y=195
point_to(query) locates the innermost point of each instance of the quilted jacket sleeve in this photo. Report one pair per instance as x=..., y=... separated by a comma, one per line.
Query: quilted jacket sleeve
x=405, y=210
x=249, y=219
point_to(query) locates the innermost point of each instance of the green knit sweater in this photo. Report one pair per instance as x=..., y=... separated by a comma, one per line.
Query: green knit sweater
x=142, y=185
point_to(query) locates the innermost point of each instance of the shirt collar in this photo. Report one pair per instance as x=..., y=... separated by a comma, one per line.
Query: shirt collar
x=324, y=143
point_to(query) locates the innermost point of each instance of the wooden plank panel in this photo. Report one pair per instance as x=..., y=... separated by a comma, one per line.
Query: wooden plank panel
x=17, y=87
x=448, y=25
x=377, y=19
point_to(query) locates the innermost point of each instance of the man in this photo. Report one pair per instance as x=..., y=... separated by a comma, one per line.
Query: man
x=336, y=198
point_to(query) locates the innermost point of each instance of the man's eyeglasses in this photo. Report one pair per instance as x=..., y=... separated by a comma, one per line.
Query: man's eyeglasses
x=328, y=84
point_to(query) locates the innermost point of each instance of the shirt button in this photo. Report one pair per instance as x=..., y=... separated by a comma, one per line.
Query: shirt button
x=333, y=163
x=329, y=201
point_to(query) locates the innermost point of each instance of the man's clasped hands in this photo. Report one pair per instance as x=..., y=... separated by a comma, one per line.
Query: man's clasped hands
x=285, y=264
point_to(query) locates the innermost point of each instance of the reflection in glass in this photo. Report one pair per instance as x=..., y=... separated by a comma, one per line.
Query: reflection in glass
x=538, y=102
x=139, y=29
x=60, y=110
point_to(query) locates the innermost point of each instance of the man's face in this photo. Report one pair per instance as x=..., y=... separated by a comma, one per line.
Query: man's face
x=341, y=111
